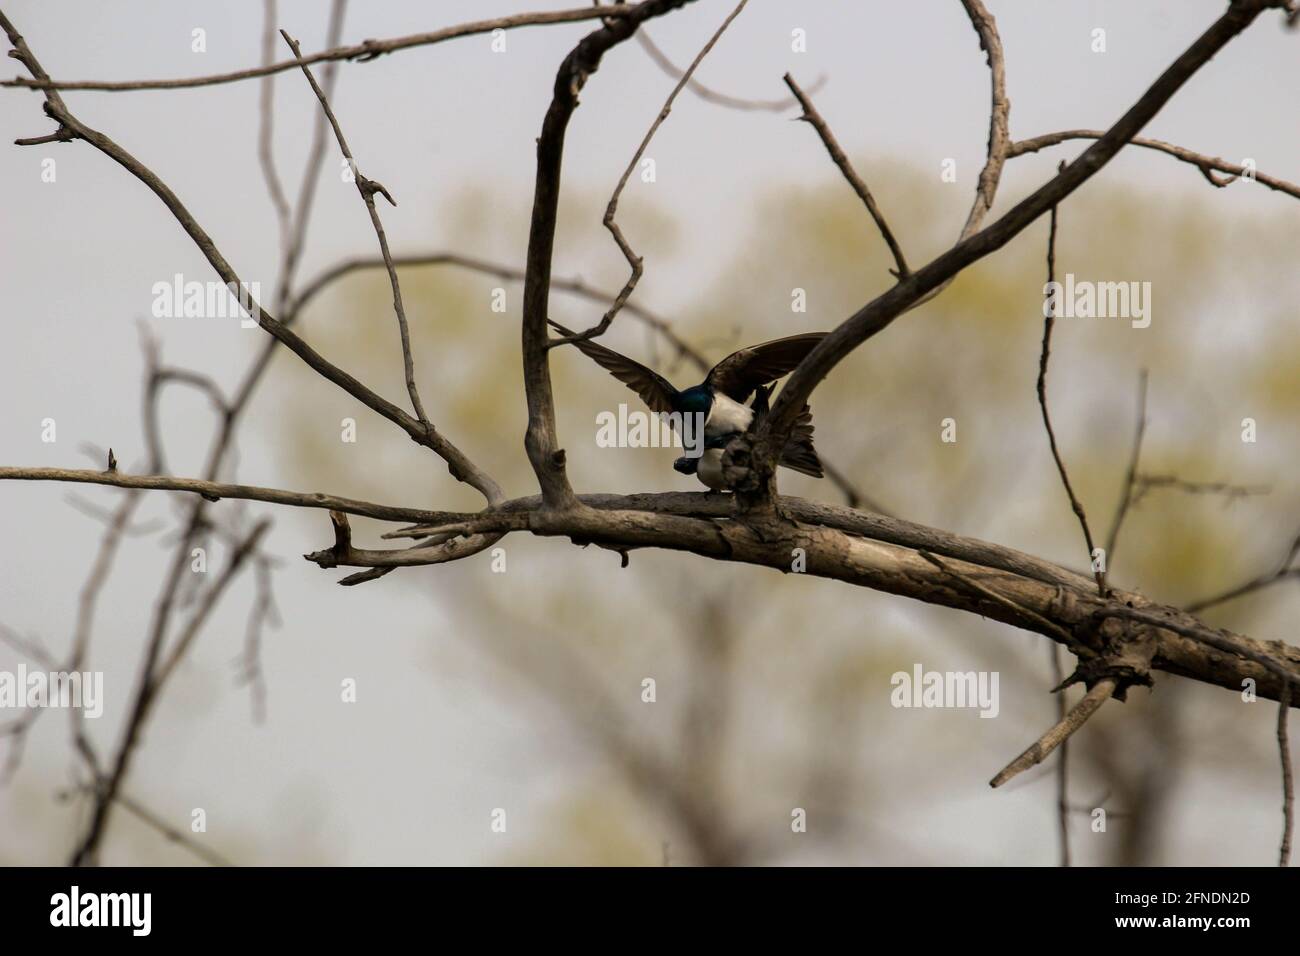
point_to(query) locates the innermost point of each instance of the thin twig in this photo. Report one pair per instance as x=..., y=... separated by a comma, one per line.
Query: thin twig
x=633, y=260
x=458, y=464
x=294, y=240
x=1130, y=478
x=206, y=854
x=216, y=490
x=362, y=52
x=1288, y=781
x=1062, y=762
x=367, y=189
x=1061, y=732
x=196, y=523
x=1284, y=571
x=1061, y=633
x=1049, y=320
x=1229, y=491
x=811, y=116
x=154, y=672
x=263, y=613
x=713, y=96
x=1208, y=165
x=774, y=434
x=266, y=126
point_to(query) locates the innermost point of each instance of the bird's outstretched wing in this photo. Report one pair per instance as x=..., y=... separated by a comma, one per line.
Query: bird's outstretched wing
x=737, y=375
x=655, y=390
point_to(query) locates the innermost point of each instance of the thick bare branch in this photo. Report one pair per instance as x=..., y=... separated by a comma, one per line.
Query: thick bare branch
x=1130, y=476
x=1284, y=572
x=544, y=452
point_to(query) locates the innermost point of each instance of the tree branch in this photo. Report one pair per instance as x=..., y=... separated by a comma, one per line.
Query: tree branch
x=216, y=490
x=540, y=440
x=633, y=260
x=1039, y=750
x=1049, y=320
x=362, y=52
x=1288, y=780
x=458, y=464
x=853, y=495
x=880, y=312
x=713, y=96
x=1206, y=164
x=367, y=188
x=814, y=118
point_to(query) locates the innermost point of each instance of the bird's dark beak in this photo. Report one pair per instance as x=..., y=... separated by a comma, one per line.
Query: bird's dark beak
x=687, y=466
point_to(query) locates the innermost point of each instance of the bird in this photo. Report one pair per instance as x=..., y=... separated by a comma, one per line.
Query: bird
x=721, y=398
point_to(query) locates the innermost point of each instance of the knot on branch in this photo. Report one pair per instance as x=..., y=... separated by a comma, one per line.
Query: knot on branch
x=737, y=462
x=750, y=476
x=330, y=557
x=63, y=134
x=369, y=187
x=1091, y=672
x=370, y=50
x=1124, y=657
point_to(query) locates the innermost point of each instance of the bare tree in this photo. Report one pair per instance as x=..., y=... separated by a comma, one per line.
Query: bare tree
x=1119, y=637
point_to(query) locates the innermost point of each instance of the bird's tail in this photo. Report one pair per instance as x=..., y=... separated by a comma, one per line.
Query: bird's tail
x=799, y=454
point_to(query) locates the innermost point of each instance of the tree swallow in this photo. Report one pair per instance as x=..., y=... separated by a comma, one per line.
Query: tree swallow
x=720, y=400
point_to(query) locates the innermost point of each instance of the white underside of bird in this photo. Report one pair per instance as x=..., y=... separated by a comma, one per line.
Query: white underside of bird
x=727, y=417
x=709, y=471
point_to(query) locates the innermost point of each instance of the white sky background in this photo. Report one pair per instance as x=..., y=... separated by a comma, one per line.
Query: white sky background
x=77, y=260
